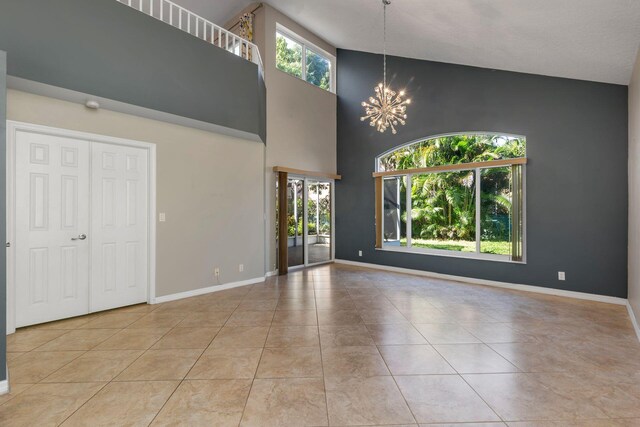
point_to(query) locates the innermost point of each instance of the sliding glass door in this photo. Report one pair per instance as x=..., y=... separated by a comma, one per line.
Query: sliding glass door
x=309, y=221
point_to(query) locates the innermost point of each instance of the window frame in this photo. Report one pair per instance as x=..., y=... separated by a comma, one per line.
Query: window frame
x=477, y=168
x=284, y=31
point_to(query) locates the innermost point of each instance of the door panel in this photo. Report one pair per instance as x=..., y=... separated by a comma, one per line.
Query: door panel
x=295, y=228
x=120, y=226
x=52, y=205
x=318, y=222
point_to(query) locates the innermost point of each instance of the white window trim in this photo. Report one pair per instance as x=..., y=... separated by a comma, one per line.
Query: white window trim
x=314, y=48
x=456, y=254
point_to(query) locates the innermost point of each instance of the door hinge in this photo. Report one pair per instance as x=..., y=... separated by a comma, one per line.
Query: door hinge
x=8, y=244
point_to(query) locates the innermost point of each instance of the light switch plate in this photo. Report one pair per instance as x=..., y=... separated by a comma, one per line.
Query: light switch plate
x=163, y=217
x=561, y=275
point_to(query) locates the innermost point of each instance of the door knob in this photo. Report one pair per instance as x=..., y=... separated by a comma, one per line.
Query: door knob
x=80, y=237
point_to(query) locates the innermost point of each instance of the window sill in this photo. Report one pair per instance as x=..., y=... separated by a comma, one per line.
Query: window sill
x=452, y=254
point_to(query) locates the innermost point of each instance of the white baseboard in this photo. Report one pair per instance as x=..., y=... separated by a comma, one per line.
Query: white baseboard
x=471, y=280
x=207, y=290
x=271, y=273
x=4, y=385
x=634, y=319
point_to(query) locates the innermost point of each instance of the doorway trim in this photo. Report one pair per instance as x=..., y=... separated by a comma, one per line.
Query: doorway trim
x=12, y=128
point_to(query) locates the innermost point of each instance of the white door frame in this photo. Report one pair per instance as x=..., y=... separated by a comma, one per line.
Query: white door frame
x=12, y=128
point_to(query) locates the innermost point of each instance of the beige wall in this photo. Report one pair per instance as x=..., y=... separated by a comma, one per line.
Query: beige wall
x=634, y=190
x=210, y=186
x=301, y=118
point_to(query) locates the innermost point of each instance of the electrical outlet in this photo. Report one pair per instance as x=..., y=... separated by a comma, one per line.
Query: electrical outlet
x=359, y=253
x=561, y=275
x=163, y=217
x=241, y=268
x=216, y=272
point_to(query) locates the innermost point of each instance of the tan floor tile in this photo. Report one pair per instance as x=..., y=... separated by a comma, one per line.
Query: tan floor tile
x=46, y=404
x=286, y=402
x=35, y=366
x=443, y=398
x=293, y=336
x=138, y=308
x=446, y=333
x=567, y=423
x=187, y=338
x=133, y=339
x=226, y=363
x=336, y=303
x=94, y=366
x=205, y=319
x=158, y=319
x=295, y=318
x=290, y=362
x=241, y=336
x=541, y=357
x=296, y=304
x=29, y=339
x=161, y=365
x=386, y=316
x=518, y=397
x=465, y=425
x=250, y=318
x=365, y=401
x=342, y=335
x=79, y=339
x=497, y=333
x=206, y=403
x=338, y=317
x=414, y=360
x=258, y=305
x=16, y=389
x=393, y=334
x=353, y=361
x=72, y=323
x=474, y=359
x=124, y=404
x=112, y=321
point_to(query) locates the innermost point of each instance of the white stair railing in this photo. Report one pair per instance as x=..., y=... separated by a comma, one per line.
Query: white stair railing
x=185, y=20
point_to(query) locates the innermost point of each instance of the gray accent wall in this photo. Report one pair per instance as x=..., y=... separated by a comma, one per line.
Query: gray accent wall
x=107, y=49
x=3, y=215
x=576, y=189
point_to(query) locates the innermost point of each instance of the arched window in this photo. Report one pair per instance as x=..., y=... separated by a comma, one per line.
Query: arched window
x=455, y=194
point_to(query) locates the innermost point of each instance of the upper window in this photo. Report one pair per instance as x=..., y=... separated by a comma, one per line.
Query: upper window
x=460, y=195
x=301, y=59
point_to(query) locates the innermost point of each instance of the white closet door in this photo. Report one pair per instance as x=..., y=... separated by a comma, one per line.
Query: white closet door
x=119, y=242
x=52, y=211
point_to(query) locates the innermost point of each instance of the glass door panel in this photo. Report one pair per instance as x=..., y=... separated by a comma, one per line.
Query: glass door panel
x=295, y=228
x=319, y=244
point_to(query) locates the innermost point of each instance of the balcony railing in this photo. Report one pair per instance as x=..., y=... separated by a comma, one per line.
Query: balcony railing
x=185, y=20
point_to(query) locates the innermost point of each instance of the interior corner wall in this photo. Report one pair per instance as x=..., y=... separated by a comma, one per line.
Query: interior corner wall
x=634, y=190
x=576, y=179
x=3, y=216
x=209, y=185
x=301, y=118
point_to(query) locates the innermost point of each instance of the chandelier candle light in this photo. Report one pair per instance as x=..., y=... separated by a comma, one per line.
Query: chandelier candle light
x=386, y=109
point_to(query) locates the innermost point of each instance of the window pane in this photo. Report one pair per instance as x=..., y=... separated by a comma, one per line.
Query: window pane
x=295, y=242
x=443, y=211
x=495, y=211
x=395, y=211
x=288, y=55
x=319, y=221
x=318, y=70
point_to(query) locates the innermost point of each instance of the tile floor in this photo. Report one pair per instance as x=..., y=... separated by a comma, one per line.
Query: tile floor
x=333, y=345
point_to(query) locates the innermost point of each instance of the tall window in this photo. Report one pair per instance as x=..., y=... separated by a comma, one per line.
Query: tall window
x=301, y=59
x=460, y=195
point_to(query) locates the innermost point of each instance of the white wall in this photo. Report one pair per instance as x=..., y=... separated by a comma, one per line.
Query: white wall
x=210, y=186
x=634, y=190
x=301, y=118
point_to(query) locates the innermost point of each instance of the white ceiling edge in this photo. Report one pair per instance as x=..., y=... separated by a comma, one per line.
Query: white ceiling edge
x=593, y=40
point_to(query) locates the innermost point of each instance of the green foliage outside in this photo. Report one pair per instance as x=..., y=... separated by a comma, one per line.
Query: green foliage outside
x=289, y=60
x=443, y=204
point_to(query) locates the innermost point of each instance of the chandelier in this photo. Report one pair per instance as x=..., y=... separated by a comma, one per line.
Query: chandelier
x=386, y=109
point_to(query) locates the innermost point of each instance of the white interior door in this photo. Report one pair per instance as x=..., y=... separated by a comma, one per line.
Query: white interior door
x=52, y=211
x=119, y=231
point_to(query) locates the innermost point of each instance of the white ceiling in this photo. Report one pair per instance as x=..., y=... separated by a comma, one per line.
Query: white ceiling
x=583, y=39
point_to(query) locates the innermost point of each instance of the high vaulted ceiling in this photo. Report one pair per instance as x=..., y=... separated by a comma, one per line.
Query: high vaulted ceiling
x=583, y=39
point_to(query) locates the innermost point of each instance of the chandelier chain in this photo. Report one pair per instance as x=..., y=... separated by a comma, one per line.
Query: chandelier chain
x=384, y=42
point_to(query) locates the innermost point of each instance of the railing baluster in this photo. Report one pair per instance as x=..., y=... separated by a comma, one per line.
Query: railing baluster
x=170, y=14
